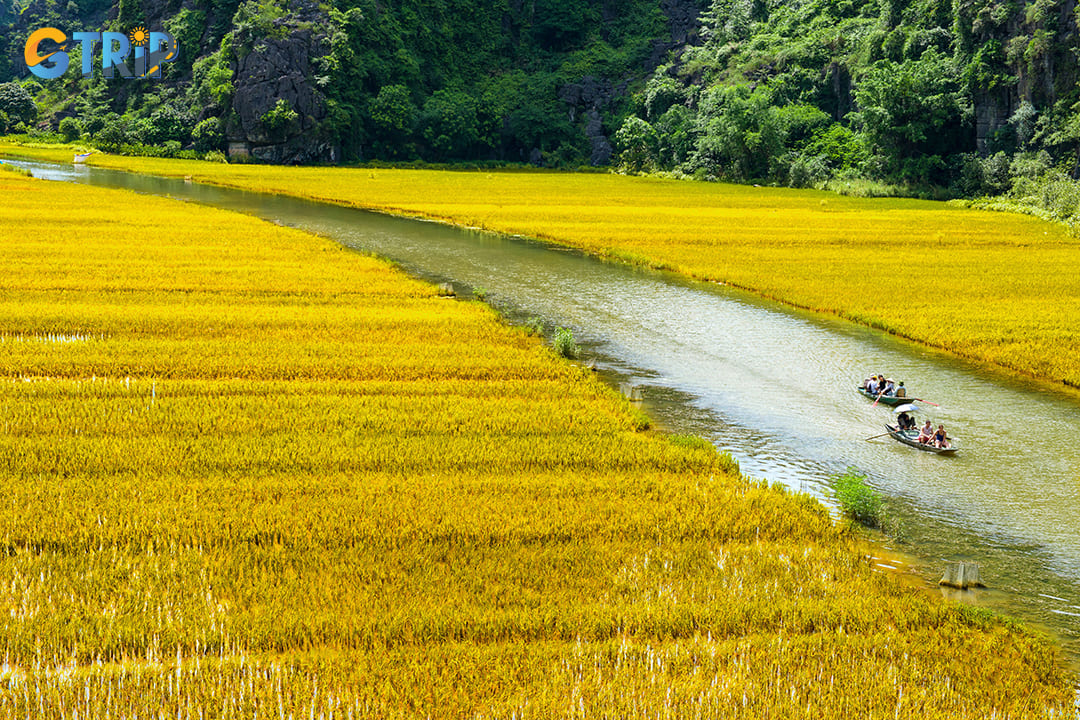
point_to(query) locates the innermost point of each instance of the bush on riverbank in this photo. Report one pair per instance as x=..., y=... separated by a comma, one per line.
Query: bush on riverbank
x=857, y=499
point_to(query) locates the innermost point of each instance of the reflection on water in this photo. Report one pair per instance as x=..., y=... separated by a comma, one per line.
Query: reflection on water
x=772, y=386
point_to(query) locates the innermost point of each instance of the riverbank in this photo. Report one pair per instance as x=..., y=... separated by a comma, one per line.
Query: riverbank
x=991, y=287
x=278, y=464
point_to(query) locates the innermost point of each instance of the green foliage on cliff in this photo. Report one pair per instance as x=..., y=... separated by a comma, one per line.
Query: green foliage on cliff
x=928, y=97
x=441, y=80
x=937, y=97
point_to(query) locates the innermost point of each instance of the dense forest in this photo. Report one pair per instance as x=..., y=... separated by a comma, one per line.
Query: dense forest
x=539, y=81
x=964, y=97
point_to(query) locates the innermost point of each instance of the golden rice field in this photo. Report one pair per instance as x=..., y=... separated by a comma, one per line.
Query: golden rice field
x=998, y=288
x=249, y=474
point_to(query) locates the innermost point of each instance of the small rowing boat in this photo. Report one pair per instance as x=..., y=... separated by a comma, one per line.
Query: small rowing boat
x=890, y=400
x=911, y=437
x=82, y=158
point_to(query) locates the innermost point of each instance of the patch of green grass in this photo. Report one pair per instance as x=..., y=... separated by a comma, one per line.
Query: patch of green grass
x=564, y=343
x=858, y=500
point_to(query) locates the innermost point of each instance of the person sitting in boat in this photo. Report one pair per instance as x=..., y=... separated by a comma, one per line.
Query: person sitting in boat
x=905, y=421
x=941, y=440
x=890, y=388
x=926, y=433
x=872, y=386
x=900, y=391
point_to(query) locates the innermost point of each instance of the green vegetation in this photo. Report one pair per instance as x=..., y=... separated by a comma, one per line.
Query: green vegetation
x=924, y=98
x=928, y=98
x=439, y=81
x=857, y=500
x=564, y=344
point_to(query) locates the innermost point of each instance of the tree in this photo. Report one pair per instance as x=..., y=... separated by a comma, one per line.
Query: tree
x=393, y=117
x=212, y=81
x=207, y=135
x=738, y=133
x=661, y=93
x=70, y=129
x=636, y=142
x=93, y=105
x=16, y=103
x=676, y=134
x=450, y=123
x=113, y=133
x=168, y=123
x=559, y=24
x=913, y=114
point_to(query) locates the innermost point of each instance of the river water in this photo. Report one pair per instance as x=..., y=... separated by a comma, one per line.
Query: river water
x=774, y=387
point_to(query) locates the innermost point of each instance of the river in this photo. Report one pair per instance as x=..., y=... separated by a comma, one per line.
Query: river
x=773, y=386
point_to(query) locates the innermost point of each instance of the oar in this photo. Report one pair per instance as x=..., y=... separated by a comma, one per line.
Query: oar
x=876, y=436
x=878, y=399
x=926, y=401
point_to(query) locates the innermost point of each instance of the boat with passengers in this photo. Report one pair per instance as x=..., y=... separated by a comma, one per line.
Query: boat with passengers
x=911, y=437
x=890, y=400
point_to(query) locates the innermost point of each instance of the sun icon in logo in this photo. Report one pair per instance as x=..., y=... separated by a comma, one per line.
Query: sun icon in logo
x=138, y=36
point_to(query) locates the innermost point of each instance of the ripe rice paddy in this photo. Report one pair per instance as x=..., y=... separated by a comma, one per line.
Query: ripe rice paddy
x=993, y=287
x=251, y=474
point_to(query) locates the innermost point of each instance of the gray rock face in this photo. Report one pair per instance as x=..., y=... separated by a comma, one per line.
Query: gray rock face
x=280, y=69
x=684, y=20
x=588, y=98
x=991, y=112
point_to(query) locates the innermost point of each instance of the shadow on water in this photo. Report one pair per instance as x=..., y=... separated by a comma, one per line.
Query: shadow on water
x=772, y=386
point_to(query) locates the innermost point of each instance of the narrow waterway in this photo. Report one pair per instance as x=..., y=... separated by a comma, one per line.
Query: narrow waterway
x=774, y=387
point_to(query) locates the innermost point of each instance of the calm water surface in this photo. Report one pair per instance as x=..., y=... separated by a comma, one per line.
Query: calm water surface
x=772, y=386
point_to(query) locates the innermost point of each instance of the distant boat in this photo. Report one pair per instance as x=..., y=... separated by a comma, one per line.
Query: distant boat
x=82, y=158
x=890, y=400
x=911, y=437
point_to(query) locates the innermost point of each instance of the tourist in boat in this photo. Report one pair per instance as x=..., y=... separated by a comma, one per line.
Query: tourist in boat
x=941, y=440
x=890, y=388
x=926, y=433
x=905, y=422
x=900, y=391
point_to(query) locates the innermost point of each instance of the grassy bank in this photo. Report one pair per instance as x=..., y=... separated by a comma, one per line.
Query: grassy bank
x=251, y=474
x=993, y=287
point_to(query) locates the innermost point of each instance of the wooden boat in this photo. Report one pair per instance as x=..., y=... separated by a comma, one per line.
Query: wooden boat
x=82, y=158
x=890, y=400
x=911, y=437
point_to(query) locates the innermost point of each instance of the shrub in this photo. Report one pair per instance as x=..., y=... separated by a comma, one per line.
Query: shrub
x=16, y=103
x=168, y=123
x=279, y=119
x=112, y=135
x=207, y=135
x=534, y=326
x=564, y=343
x=857, y=500
x=70, y=129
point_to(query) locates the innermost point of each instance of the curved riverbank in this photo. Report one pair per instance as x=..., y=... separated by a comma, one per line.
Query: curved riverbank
x=991, y=287
x=294, y=376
